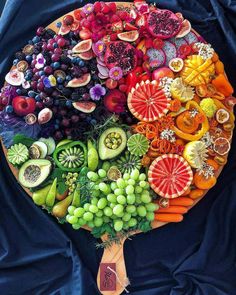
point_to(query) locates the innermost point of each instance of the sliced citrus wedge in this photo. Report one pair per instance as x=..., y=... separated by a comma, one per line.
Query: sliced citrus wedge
x=147, y=102
x=221, y=146
x=170, y=176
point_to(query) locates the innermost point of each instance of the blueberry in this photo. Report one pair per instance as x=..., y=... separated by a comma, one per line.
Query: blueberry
x=56, y=126
x=15, y=62
x=56, y=65
x=95, y=78
x=41, y=73
x=9, y=109
x=68, y=103
x=37, y=97
x=55, y=45
x=60, y=80
x=81, y=63
x=93, y=122
x=28, y=58
x=18, y=91
x=58, y=24
x=60, y=87
x=30, y=42
x=27, y=77
x=31, y=93
x=73, y=42
x=36, y=39
x=74, y=60
x=68, y=78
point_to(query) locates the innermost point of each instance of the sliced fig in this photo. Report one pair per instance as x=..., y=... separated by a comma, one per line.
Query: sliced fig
x=85, y=106
x=86, y=55
x=82, y=46
x=79, y=82
x=186, y=28
x=64, y=30
x=14, y=77
x=130, y=36
x=44, y=116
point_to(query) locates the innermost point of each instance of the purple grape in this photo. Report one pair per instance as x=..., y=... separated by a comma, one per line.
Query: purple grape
x=65, y=122
x=48, y=70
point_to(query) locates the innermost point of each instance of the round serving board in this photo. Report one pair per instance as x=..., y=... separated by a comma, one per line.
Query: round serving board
x=115, y=253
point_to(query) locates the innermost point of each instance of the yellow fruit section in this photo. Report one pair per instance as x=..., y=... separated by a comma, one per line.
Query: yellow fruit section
x=197, y=71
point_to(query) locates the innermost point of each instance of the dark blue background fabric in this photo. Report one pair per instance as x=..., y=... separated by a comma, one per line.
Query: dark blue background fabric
x=196, y=257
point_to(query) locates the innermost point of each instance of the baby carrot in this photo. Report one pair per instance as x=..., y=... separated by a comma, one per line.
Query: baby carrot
x=168, y=217
x=173, y=209
x=181, y=201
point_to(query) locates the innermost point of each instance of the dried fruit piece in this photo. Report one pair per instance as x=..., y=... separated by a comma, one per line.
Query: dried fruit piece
x=138, y=144
x=114, y=173
x=147, y=101
x=221, y=146
x=170, y=175
x=17, y=154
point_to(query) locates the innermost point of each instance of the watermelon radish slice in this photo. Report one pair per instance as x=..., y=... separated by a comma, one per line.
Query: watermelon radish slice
x=191, y=37
x=100, y=62
x=178, y=42
x=103, y=70
x=147, y=102
x=170, y=176
x=170, y=51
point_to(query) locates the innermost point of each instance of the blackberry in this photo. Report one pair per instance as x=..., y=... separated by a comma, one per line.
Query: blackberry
x=75, y=96
x=77, y=72
x=82, y=90
x=20, y=55
x=65, y=60
x=93, y=66
x=66, y=92
x=49, y=33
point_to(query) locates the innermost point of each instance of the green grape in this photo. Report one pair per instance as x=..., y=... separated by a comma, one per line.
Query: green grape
x=113, y=217
x=146, y=198
x=102, y=173
x=129, y=189
x=81, y=221
x=71, y=210
x=118, y=225
x=131, y=182
x=92, y=176
x=118, y=209
x=72, y=219
x=121, y=183
x=106, y=219
x=98, y=221
x=147, y=185
x=102, y=203
x=150, y=216
x=67, y=217
x=125, y=226
x=132, y=222
x=86, y=206
x=112, y=205
x=141, y=211
x=111, y=198
x=94, y=201
x=142, y=176
x=103, y=186
x=99, y=213
x=121, y=199
x=118, y=191
x=138, y=199
x=126, y=176
x=121, y=214
x=90, y=224
x=142, y=183
x=131, y=199
x=108, y=211
x=106, y=166
x=134, y=174
x=113, y=186
x=93, y=208
x=130, y=209
x=134, y=214
x=76, y=226
x=126, y=217
x=95, y=193
x=138, y=189
x=151, y=207
x=79, y=212
x=88, y=216
x=96, y=188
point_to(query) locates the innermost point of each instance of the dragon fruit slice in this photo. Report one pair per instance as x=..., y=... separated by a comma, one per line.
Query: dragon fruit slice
x=178, y=42
x=191, y=37
x=170, y=51
x=157, y=56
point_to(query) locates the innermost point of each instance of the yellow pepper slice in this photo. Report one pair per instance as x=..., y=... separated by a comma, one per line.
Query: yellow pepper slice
x=199, y=133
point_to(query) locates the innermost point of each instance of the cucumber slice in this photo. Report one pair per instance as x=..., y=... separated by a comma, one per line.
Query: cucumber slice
x=42, y=147
x=50, y=143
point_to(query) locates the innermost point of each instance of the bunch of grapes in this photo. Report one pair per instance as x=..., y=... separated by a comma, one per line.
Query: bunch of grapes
x=71, y=181
x=122, y=204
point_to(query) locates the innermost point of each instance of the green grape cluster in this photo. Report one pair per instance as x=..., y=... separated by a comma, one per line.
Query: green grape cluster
x=122, y=203
x=71, y=181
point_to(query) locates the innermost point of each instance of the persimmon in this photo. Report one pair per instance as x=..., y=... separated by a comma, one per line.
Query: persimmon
x=202, y=182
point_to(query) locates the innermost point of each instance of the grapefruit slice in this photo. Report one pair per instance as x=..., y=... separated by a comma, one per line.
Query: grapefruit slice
x=170, y=176
x=147, y=102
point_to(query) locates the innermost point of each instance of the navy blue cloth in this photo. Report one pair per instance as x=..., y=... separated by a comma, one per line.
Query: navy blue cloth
x=196, y=257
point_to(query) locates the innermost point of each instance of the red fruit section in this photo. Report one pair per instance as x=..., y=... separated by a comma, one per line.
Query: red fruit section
x=147, y=102
x=170, y=176
x=115, y=101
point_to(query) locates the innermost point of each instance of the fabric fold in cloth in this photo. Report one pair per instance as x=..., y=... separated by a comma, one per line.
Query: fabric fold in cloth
x=196, y=257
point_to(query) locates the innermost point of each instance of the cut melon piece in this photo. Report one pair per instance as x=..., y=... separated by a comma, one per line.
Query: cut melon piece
x=170, y=176
x=147, y=102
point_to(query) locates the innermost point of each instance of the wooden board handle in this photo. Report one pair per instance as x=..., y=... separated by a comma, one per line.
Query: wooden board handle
x=115, y=254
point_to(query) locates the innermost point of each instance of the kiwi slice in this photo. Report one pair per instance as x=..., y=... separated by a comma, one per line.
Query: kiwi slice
x=128, y=162
x=17, y=154
x=138, y=144
x=50, y=143
x=72, y=157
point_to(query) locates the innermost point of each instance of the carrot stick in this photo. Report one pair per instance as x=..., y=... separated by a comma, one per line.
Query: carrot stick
x=181, y=201
x=173, y=209
x=168, y=217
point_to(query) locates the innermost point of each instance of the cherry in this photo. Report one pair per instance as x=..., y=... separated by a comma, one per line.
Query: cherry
x=61, y=42
x=68, y=20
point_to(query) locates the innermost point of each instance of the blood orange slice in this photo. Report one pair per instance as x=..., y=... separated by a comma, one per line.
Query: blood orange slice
x=170, y=176
x=147, y=102
x=221, y=146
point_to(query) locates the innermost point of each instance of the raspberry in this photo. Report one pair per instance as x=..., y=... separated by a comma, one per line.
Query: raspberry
x=97, y=7
x=105, y=9
x=112, y=7
x=114, y=18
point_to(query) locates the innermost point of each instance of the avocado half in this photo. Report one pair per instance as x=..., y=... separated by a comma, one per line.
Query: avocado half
x=104, y=151
x=33, y=172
